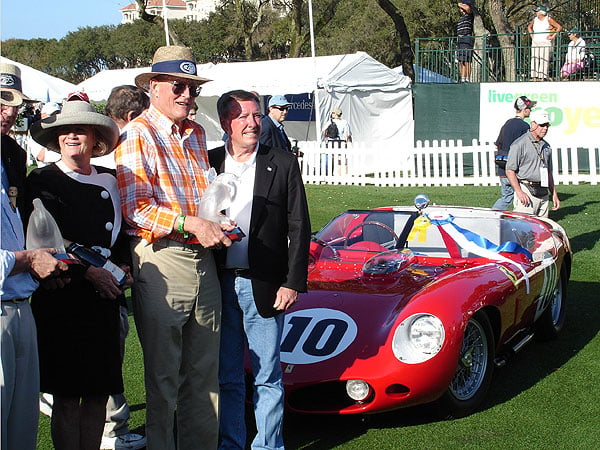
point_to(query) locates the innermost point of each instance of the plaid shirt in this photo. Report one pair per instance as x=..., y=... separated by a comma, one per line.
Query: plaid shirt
x=161, y=174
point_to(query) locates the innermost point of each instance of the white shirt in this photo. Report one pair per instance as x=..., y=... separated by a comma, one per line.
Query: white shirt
x=541, y=28
x=241, y=207
x=575, y=51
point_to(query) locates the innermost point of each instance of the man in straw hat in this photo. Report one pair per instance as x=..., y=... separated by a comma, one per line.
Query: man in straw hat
x=20, y=271
x=162, y=171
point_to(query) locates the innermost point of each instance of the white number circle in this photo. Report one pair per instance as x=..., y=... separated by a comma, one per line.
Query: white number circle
x=314, y=335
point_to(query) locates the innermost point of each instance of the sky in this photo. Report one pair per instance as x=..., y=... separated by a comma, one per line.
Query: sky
x=54, y=19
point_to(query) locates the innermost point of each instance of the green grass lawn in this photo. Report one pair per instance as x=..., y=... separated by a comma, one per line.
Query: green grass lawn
x=548, y=396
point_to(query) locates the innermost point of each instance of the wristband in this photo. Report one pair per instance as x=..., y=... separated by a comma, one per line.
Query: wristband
x=180, y=222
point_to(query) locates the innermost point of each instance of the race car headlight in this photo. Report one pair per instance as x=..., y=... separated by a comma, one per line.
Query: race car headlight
x=418, y=338
x=357, y=390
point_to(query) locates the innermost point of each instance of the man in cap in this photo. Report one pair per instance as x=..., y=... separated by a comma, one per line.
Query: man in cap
x=529, y=168
x=511, y=130
x=162, y=173
x=20, y=271
x=272, y=132
x=341, y=126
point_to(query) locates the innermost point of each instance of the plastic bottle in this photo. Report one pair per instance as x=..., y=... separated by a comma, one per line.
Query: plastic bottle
x=43, y=232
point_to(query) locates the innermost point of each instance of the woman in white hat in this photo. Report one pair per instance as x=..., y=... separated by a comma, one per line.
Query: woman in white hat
x=78, y=325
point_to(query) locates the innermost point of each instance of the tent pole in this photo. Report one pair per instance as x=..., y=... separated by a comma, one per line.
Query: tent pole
x=315, y=99
x=166, y=20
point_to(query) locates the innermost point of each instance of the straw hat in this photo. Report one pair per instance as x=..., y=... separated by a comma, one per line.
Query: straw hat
x=10, y=85
x=171, y=60
x=45, y=131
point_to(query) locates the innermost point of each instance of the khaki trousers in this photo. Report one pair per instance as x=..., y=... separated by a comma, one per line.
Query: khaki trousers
x=177, y=312
x=538, y=206
x=19, y=377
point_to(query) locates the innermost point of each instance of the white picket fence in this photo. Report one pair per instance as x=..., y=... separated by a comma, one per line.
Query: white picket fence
x=436, y=163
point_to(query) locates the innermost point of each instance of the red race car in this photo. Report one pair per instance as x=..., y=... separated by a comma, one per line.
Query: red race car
x=409, y=305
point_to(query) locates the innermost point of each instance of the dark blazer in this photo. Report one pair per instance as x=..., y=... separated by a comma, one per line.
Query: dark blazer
x=279, y=213
x=14, y=158
x=271, y=136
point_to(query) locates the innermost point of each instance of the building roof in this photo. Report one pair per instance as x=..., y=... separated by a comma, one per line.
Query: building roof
x=155, y=4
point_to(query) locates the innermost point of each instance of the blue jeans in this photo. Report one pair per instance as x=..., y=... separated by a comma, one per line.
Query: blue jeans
x=507, y=194
x=241, y=324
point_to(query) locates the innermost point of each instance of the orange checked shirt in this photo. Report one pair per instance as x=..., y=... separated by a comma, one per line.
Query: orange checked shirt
x=161, y=173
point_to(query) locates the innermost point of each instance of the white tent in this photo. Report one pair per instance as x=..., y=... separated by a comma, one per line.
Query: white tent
x=375, y=100
x=98, y=87
x=41, y=86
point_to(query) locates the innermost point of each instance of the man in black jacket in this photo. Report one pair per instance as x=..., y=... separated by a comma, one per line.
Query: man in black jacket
x=262, y=274
x=271, y=126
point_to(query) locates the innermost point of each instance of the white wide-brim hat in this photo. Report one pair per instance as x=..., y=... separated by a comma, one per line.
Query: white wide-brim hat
x=174, y=61
x=45, y=131
x=11, y=87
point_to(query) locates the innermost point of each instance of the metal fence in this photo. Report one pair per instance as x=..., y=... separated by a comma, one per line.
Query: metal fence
x=492, y=62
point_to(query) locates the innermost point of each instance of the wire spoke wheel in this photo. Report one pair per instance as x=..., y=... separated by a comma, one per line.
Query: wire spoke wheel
x=472, y=364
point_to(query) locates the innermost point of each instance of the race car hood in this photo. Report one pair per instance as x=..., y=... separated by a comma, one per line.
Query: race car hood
x=346, y=317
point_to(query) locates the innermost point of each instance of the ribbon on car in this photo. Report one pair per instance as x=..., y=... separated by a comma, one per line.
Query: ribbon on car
x=478, y=245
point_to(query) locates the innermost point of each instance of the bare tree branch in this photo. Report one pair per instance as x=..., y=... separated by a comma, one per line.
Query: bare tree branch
x=157, y=20
x=407, y=55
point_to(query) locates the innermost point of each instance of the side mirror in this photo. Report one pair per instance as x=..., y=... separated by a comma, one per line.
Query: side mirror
x=421, y=202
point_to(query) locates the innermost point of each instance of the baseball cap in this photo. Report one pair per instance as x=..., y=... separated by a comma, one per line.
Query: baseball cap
x=541, y=8
x=82, y=96
x=539, y=116
x=466, y=2
x=278, y=100
x=524, y=103
x=50, y=108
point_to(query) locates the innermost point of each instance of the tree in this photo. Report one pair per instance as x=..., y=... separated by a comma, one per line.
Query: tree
x=407, y=56
x=156, y=20
x=250, y=16
x=299, y=28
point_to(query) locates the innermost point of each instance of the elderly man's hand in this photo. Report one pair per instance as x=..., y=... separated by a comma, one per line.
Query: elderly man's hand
x=42, y=263
x=49, y=270
x=209, y=234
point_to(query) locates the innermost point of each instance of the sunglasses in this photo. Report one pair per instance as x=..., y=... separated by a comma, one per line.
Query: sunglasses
x=179, y=88
x=545, y=125
x=281, y=108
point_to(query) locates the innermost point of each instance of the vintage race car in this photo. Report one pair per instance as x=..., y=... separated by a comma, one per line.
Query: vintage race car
x=410, y=305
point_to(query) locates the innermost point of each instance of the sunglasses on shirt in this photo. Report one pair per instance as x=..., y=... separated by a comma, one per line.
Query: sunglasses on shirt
x=179, y=88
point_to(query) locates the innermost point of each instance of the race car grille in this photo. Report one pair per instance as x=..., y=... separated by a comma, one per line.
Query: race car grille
x=324, y=397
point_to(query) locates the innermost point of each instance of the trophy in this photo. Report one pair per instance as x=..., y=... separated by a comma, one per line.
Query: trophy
x=43, y=232
x=218, y=197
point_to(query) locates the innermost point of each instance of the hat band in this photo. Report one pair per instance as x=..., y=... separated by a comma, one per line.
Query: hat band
x=176, y=66
x=9, y=81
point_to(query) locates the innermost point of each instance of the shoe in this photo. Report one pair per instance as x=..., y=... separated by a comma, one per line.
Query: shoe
x=46, y=402
x=131, y=441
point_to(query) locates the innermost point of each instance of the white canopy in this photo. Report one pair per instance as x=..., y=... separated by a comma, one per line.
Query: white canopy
x=375, y=100
x=41, y=86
